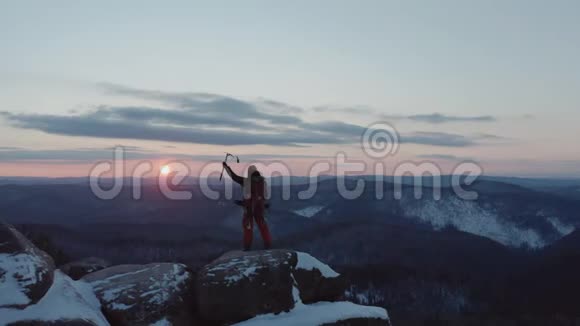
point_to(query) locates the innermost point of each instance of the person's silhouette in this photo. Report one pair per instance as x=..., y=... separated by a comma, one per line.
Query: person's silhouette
x=254, y=189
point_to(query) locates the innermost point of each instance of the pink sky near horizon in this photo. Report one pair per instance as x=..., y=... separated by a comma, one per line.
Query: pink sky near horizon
x=296, y=167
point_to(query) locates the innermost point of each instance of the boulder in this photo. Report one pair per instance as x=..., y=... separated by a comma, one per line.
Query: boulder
x=26, y=272
x=66, y=303
x=145, y=294
x=77, y=269
x=316, y=281
x=240, y=285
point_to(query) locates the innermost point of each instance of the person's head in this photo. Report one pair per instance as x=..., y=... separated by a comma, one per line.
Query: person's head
x=252, y=169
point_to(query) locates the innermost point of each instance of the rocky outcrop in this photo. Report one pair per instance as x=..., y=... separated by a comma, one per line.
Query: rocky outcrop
x=144, y=294
x=26, y=272
x=271, y=287
x=240, y=285
x=317, y=281
x=67, y=302
x=77, y=269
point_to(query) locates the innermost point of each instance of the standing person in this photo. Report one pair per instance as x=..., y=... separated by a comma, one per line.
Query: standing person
x=254, y=191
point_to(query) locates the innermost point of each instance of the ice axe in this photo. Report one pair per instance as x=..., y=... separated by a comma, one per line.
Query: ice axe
x=226, y=160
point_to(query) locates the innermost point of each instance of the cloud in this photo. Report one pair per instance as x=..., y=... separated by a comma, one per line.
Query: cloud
x=356, y=110
x=88, y=126
x=88, y=155
x=214, y=105
x=331, y=132
x=439, y=139
x=433, y=118
x=212, y=119
x=444, y=157
x=484, y=136
x=436, y=118
x=251, y=109
x=175, y=117
x=73, y=155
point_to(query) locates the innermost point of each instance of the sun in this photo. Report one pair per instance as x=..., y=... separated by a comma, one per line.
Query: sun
x=165, y=170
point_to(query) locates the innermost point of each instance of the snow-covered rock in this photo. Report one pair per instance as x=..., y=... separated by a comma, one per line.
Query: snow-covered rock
x=280, y=287
x=322, y=313
x=240, y=285
x=80, y=268
x=316, y=280
x=144, y=294
x=67, y=302
x=26, y=272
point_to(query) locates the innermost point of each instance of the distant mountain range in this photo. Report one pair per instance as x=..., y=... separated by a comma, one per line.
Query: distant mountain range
x=422, y=258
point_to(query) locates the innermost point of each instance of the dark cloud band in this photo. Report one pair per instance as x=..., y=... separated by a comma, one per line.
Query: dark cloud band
x=213, y=119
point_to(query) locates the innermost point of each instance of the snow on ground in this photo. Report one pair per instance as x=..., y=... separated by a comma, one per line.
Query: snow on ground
x=162, y=322
x=309, y=211
x=563, y=229
x=469, y=217
x=158, y=290
x=66, y=299
x=20, y=271
x=246, y=273
x=317, y=314
x=172, y=281
x=307, y=262
x=238, y=268
x=243, y=270
x=368, y=296
x=114, y=277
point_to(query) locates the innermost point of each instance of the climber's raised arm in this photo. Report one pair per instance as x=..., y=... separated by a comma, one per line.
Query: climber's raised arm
x=237, y=179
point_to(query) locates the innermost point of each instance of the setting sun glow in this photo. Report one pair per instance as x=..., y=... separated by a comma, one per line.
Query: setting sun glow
x=165, y=170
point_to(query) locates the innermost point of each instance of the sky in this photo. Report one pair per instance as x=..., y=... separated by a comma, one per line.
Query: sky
x=492, y=82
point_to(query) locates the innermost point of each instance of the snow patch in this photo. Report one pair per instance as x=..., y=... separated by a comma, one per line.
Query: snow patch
x=153, y=290
x=160, y=290
x=296, y=295
x=563, y=229
x=114, y=277
x=369, y=296
x=20, y=271
x=469, y=217
x=307, y=262
x=66, y=299
x=317, y=314
x=248, y=272
x=113, y=294
x=309, y=211
x=162, y=322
